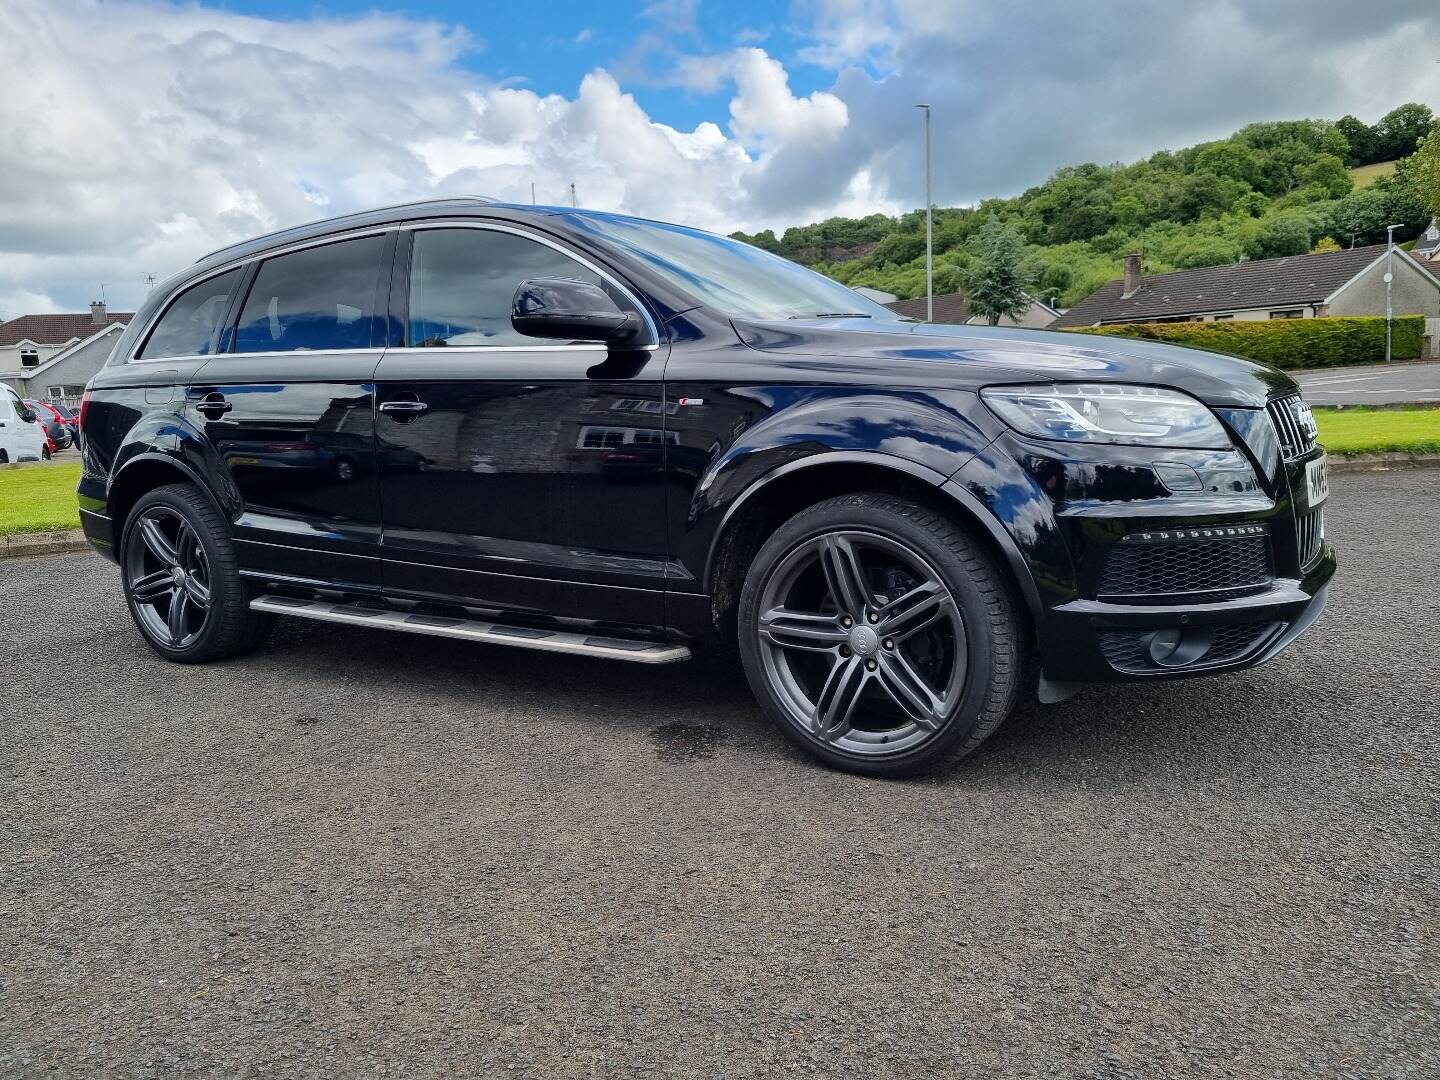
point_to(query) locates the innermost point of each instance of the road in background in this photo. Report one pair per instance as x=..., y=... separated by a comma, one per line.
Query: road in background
x=1376, y=384
x=355, y=852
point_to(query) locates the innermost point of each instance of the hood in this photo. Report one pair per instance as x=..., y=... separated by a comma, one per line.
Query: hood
x=969, y=357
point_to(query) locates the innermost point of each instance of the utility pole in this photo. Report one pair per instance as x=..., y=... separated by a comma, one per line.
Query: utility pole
x=1389, y=279
x=929, y=228
x=532, y=192
x=572, y=194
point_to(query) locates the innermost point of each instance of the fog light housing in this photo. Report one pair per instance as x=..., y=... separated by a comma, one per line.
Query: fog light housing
x=1180, y=646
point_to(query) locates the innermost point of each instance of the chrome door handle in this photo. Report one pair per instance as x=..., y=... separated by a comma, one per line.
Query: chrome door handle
x=412, y=408
x=213, y=406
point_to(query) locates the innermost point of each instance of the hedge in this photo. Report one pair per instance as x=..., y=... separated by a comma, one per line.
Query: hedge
x=1288, y=343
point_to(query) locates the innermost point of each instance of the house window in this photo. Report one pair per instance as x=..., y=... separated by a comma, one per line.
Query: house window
x=29, y=358
x=1288, y=313
x=1223, y=318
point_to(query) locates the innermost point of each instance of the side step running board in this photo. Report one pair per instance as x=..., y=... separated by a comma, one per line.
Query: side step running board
x=525, y=637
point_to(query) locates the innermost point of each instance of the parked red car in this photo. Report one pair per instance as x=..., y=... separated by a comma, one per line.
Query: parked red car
x=60, y=434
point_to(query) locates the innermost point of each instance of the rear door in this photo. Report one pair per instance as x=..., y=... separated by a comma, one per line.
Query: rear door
x=290, y=410
x=517, y=473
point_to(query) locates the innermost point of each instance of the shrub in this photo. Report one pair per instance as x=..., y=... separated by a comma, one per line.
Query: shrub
x=1289, y=343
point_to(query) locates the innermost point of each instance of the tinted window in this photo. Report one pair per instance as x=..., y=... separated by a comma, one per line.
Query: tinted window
x=191, y=327
x=462, y=282
x=319, y=298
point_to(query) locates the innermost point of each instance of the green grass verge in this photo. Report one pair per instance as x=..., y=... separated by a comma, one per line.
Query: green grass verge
x=1379, y=431
x=39, y=498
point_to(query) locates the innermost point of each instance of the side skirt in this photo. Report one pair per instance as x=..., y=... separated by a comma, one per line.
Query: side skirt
x=489, y=633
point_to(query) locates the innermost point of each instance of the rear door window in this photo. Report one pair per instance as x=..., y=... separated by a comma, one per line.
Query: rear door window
x=463, y=281
x=321, y=298
x=191, y=326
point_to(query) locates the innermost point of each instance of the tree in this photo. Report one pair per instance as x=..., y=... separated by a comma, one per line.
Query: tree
x=1420, y=175
x=995, y=285
x=1361, y=138
x=1324, y=244
x=1329, y=173
x=1400, y=130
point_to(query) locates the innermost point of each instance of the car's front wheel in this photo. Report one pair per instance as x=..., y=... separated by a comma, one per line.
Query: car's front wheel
x=880, y=635
x=181, y=581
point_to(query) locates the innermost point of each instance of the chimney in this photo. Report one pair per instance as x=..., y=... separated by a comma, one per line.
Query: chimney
x=97, y=312
x=1132, y=276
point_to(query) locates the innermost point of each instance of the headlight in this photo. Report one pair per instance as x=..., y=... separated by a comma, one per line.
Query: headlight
x=1108, y=413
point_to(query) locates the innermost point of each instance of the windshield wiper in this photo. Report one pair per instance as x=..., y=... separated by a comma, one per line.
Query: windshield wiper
x=835, y=315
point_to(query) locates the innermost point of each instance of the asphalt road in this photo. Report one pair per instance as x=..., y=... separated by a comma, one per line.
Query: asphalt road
x=360, y=854
x=1379, y=384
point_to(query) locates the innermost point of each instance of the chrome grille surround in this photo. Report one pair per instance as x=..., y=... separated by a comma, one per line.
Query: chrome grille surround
x=1294, y=425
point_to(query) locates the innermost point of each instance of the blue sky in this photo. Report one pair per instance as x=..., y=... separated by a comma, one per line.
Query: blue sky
x=138, y=134
x=573, y=38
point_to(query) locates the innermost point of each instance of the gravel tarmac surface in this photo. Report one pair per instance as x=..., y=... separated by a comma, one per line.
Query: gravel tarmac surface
x=363, y=854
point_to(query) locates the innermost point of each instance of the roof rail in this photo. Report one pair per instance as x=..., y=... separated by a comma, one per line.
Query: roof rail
x=345, y=217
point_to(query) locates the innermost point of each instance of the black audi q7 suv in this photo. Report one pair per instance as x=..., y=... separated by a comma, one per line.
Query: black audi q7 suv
x=575, y=431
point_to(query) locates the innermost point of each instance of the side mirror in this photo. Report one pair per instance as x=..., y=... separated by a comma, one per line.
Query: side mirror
x=27, y=415
x=569, y=310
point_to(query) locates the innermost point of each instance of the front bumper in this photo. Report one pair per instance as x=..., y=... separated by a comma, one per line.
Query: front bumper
x=1073, y=514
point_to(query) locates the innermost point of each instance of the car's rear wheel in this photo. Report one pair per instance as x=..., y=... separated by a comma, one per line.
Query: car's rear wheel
x=879, y=635
x=181, y=581
x=45, y=452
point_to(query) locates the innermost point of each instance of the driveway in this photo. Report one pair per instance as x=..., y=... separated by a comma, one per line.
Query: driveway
x=1377, y=384
x=361, y=854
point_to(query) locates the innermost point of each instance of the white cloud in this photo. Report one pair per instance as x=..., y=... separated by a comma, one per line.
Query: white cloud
x=135, y=136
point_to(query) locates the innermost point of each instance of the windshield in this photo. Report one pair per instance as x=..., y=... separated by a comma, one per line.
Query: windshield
x=739, y=280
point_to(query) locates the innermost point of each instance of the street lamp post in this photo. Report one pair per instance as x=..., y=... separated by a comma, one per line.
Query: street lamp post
x=929, y=228
x=1389, y=279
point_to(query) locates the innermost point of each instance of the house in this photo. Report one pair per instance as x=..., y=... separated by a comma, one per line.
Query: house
x=54, y=356
x=954, y=309
x=880, y=296
x=1427, y=247
x=1350, y=282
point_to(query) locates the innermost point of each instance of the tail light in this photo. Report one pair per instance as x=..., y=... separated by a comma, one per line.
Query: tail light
x=84, y=406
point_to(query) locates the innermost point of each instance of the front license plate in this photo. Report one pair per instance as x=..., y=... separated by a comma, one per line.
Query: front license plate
x=1317, y=480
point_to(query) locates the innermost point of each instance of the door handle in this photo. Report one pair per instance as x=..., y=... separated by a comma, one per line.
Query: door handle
x=214, y=406
x=405, y=410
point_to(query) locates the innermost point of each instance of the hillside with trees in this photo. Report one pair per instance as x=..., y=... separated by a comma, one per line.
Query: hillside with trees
x=1273, y=188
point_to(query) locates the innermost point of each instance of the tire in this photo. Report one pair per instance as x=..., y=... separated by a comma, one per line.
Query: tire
x=4, y=458
x=45, y=453
x=176, y=530
x=931, y=658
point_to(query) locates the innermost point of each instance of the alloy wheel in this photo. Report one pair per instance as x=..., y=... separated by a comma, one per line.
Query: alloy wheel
x=862, y=642
x=167, y=574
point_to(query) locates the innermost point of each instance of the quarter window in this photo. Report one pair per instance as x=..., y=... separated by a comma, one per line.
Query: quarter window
x=462, y=283
x=191, y=326
x=320, y=298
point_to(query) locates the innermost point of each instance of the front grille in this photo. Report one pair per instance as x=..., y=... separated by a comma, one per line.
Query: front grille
x=1198, y=565
x=1294, y=425
x=1134, y=651
x=1312, y=532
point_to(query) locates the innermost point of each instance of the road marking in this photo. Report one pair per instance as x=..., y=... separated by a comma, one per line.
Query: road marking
x=1338, y=378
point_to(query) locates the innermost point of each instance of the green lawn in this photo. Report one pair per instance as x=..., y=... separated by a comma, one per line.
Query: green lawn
x=39, y=498
x=1379, y=431
x=1366, y=175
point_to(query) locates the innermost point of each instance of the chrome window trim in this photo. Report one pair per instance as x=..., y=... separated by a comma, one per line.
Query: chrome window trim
x=540, y=238
x=320, y=241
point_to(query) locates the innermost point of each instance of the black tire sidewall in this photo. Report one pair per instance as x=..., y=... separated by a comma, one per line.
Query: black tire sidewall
x=975, y=613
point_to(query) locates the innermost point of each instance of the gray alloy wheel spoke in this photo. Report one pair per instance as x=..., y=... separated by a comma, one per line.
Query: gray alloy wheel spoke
x=802, y=629
x=845, y=576
x=917, y=610
x=153, y=588
x=158, y=543
x=196, y=592
x=175, y=620
x=836, y=702
x=910, y=692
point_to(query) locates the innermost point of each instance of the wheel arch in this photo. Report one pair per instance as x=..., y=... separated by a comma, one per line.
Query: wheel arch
x=783, y=492
x=143, y=473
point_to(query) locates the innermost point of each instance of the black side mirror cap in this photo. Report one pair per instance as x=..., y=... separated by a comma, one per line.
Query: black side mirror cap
x=27, y=415
x=570, y=310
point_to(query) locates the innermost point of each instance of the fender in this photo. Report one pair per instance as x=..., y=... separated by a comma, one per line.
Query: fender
x=171, y=439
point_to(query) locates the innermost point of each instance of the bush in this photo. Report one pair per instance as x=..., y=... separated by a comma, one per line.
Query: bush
x=1289, y=343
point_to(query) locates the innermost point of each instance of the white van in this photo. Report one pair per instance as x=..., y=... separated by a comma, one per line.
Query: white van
x=21, y=437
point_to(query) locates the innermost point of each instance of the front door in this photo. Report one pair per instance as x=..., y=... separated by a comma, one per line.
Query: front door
x=516, y=474
x=290, y=412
